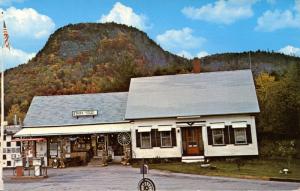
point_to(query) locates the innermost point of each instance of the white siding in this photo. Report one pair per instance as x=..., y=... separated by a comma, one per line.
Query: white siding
x=231, y=150
x=209, y=150
x=156, y=152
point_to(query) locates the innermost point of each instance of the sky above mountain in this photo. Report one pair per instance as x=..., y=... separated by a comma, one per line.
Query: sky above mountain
x=188, y=28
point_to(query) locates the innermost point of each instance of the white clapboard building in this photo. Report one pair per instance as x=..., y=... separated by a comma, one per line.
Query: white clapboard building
x=186, y=116
x=11, y=148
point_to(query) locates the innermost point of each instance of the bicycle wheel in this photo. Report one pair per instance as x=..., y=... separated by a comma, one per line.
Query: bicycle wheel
x=146, y=184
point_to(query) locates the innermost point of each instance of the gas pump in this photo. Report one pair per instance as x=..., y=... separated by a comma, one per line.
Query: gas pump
x=37, y=163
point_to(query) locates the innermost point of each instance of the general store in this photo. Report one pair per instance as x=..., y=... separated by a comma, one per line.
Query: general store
x=187, y=117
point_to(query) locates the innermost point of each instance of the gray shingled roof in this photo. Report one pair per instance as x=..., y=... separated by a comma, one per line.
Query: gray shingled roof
x=57, y=110
x=211, y=93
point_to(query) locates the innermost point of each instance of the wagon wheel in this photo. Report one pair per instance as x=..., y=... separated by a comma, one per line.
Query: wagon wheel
x=146, y=184
x=123, y=139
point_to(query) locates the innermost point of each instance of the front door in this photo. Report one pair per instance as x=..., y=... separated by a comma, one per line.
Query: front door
x=192, y=141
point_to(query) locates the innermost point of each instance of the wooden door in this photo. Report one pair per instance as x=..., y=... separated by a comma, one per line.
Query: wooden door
x=192, y=141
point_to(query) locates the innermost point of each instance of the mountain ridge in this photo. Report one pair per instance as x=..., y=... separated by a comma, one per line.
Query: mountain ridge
x=95, y=58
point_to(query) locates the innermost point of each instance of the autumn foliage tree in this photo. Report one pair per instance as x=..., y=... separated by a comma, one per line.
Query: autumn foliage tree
x=279, y=99
x=15, y=110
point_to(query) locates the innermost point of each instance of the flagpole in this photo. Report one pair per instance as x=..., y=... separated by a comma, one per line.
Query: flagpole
x=2, y=117
x=2, y=121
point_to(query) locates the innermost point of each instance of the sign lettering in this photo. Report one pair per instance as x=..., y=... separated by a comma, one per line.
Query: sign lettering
x=81, y=113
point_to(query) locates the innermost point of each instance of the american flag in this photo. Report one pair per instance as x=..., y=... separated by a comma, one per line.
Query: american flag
x=5, y=36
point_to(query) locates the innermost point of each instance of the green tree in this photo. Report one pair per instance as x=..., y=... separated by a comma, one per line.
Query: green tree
x=280, y=103
x=265, y=84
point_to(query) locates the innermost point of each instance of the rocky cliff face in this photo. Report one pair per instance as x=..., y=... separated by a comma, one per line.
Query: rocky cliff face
x=89, y=58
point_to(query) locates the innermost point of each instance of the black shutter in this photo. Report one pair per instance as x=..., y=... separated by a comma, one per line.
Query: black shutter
x=209, y=135
x=248, y=134
x=226, y=135
x=173, y=135
x=231, y=134
x=158, y=141
x=153, y=137
x=138, y=140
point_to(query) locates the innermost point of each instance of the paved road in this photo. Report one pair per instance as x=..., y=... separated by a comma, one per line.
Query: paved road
x=117, y=177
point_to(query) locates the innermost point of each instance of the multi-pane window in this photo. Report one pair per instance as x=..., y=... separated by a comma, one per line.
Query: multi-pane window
x=218, y=136
x=8, y=163
x=145, y=140
x=166, y=140
x=240, y=136
x=8, y=144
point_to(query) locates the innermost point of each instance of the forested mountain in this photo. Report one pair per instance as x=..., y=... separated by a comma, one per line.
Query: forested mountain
x=271, y=62
x=87, y=58
x=93, y=57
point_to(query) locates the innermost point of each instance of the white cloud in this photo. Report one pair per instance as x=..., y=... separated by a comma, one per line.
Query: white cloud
x=222, y=11
x=179, y=39
x=9, y=2
x=15, y=57
x=182, y=42
x=185, y=54
x=202, y=54
x=189, y=55
x=290, y=50
x=278, y=19
x=125, y=15
x=274, y=20
x=28, y=23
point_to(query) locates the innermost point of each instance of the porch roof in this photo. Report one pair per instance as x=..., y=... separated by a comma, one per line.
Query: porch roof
x=57, y=110
x=73, y=130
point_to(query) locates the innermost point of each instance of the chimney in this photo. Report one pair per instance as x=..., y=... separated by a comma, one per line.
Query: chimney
x=196, y=65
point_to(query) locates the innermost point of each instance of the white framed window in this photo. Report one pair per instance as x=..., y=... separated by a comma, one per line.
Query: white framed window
x=18, y=150
x=240, y=136
x=13, y=156
x=166, y=139
x=145, y=140
x=192, y=137
x=53, y=149
x=8, y=150
x=218, y=137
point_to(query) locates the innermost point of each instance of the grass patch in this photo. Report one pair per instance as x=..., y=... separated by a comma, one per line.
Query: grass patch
x=258, y=169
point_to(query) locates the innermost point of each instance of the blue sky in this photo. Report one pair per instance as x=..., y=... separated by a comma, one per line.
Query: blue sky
x=184, y=27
